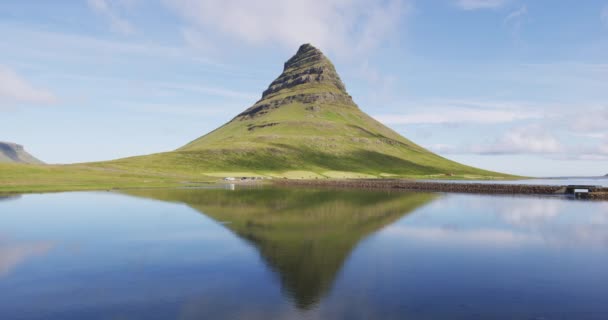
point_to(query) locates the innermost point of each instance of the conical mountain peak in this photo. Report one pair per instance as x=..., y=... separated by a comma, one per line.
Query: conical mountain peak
x=308, y=78
x=307, y=54
x=308, y=67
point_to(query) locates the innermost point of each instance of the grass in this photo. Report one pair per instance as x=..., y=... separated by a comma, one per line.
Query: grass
x=24, y=178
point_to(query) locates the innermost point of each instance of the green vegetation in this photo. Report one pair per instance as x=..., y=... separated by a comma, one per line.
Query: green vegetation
x=22, y=178
x=304, y=235
x=306, y=126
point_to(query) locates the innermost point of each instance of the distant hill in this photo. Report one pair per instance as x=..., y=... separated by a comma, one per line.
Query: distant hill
x=15, y=153
x=305, y=125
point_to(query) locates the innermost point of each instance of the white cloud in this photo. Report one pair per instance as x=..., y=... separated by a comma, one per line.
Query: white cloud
x=591, y=135
x=215, y=91
x=522, y=140
x=539, y=129
x=480, y=4
x=531, y=139
x=603, y=148
x=345, y=27
x=458, y=116
x=591, y=121
x=117, y=23
x=596, y=152
x=515, y=20
x=16, y=89
x=517, y=14
x=604, y=15
x=71, y=47
x=185, y=110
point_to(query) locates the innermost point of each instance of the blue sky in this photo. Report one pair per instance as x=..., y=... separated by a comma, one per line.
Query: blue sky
x=510, y=85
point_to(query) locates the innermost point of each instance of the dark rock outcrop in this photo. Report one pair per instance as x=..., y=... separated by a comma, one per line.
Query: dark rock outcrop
x=308, y=77
x=309, y=65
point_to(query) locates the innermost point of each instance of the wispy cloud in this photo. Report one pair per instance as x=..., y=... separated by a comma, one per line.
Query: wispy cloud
x=591, y=122
x=117, y=23
x=343, y=27
x=215, y=91
x=16, y=89
x=535, y=139
x=532, y=139
x=457, y=115
x=78, y=47
x=480, y=4
x=184, y=110
x=516, y=19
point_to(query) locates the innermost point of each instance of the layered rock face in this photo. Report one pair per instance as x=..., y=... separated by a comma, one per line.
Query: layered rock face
x=12, y=152
x=308, y=77
x=309, y=65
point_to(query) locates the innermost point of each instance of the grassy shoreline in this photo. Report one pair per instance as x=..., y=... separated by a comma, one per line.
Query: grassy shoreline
x=28, y=178
x=25, y=178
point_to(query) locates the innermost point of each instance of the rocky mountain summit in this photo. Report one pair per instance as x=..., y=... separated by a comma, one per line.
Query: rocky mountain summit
x=308, y=66
x=308, y=77
x=12, y=152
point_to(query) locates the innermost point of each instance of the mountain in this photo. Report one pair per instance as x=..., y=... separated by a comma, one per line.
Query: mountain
x=305, y=125
x=15, y=153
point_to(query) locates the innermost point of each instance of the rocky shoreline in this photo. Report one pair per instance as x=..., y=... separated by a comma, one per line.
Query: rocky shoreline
x=595, y=193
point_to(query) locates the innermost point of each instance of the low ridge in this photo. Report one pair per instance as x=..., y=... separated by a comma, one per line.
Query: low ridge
x=307, y=125
x=15, y=153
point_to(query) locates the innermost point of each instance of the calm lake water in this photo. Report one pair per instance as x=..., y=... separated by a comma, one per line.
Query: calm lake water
x=301, y=254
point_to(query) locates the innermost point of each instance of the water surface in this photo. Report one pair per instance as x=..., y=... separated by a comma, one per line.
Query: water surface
x=301, y=254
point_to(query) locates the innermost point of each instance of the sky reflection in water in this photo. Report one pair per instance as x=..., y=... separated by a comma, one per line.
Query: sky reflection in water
x=301, y=253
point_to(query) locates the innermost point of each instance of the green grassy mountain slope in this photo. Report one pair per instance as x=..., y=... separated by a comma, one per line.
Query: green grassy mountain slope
x=306, y=125
x=15, y=153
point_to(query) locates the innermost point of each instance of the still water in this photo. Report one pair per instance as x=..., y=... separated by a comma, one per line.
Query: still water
x=301, y=254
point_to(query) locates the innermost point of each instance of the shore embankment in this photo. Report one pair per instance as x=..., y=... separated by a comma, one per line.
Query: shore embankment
x=593, y=192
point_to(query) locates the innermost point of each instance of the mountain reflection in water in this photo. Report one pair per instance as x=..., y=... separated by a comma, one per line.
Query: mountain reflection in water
x=303, y=235
x=268, y=253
